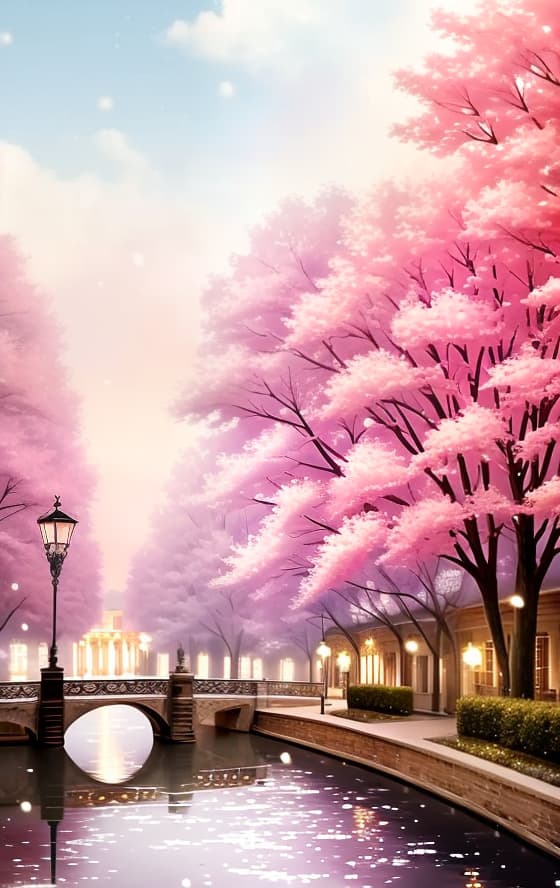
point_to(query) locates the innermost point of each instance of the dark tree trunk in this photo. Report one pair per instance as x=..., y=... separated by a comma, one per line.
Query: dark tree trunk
x=453, y=671
x=523, y=641
x=493, y=615
x=436, y=683
x=522, y=652
x=406, y=664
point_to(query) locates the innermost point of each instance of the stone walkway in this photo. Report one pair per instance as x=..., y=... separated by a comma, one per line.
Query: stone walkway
x=419, y=733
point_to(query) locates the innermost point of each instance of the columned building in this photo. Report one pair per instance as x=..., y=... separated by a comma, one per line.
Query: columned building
x=111, y=650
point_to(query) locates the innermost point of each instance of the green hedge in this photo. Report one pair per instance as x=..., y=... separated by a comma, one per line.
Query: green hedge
x=381, y=698
x=525, y=725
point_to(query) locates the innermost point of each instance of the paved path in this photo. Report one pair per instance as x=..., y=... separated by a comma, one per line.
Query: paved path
x=419, y=733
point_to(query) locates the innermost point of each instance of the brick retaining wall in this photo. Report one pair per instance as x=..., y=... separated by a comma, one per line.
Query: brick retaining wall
x=532, y=815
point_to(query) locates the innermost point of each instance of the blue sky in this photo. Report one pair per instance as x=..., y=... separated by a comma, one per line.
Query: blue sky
x=65, y=55
x=218, y=109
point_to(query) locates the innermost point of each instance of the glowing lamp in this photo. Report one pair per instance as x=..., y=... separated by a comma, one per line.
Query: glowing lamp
x=324, y=650
x=411, y=645
x=472, y=656
x=517, y=601
x=343, y=661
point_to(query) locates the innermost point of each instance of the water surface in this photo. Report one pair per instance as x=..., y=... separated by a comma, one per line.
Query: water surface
x=234, y=810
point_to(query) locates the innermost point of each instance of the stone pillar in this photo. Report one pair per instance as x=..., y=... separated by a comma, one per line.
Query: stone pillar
x=180, y=707
x=50, y=729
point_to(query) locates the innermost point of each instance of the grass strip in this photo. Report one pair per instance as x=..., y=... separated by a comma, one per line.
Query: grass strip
x=508, y=758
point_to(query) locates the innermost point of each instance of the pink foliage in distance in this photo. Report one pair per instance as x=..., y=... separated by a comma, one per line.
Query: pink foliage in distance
x=41, y=450
x=370, y=377
x=474, y=429
x=528, y=376
x=274, y=541
x=548, y=294
x=421, y=529
x=451, y=316
x=534, y=443
x=236, y=473
x=371, y=468
x=341, y=555
x=544, y=501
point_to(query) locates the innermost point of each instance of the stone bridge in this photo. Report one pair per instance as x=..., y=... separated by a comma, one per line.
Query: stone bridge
x=43, y=711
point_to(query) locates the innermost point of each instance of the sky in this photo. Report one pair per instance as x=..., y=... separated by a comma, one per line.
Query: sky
x=139, y=141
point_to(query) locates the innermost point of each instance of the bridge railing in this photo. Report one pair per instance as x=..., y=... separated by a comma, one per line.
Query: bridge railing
x=257, y=688
x=94, y=687
x=19, y=690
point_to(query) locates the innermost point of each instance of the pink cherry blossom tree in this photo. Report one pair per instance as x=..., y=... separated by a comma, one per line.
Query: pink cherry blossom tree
x=410, y=352
x=40, y=454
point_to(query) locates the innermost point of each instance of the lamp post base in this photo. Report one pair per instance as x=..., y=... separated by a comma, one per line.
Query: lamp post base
x=50, y=729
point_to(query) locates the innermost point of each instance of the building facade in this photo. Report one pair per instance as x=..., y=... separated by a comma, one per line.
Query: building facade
x=468, y=666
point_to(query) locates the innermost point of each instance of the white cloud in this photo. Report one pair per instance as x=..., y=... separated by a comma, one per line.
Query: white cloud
x=114, y=144
x=105, y=103
x=255, y=34
x=226, y=89
x=6, y=38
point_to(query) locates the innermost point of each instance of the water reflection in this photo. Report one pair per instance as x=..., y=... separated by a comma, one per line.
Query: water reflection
x=95, y=744
x=237, y=810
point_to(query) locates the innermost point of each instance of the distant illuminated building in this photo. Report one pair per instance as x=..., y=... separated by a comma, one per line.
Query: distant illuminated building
x=162, y=664
x=111, y=651
x=18, y=661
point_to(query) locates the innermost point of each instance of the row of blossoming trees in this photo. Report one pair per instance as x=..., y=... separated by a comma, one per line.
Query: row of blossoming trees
x=383, y=375
x=41, y=454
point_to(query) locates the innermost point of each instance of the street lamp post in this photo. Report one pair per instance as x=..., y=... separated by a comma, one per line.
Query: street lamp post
x=324, y=652
x=56, y=530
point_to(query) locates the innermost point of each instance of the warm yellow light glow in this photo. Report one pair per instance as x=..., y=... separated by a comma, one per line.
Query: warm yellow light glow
x=369, y=642
x=472, y=656
x=411, y=646
x=343, y=661
x=25, y=807
x=517, y=601
x=324, y=650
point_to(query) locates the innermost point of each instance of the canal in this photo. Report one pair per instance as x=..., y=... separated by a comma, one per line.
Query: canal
x=233, y=810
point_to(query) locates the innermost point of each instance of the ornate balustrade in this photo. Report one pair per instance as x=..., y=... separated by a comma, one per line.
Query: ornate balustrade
x=93, y=687
x=290, y=688
x=254, y=688
x=225, y=686
x=19, y=690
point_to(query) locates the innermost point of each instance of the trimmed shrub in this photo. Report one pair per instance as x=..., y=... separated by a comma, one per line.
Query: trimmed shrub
x=528, y=726
x=540, y=732
x=381, y=698
x=480, y=717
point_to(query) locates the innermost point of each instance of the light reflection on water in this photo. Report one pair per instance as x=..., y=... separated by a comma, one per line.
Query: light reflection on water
x=94, y=742
x=232, y=810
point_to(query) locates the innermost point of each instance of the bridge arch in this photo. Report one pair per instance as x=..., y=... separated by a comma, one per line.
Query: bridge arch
x=14, y=725
x=233, y=714
x=75, y=708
